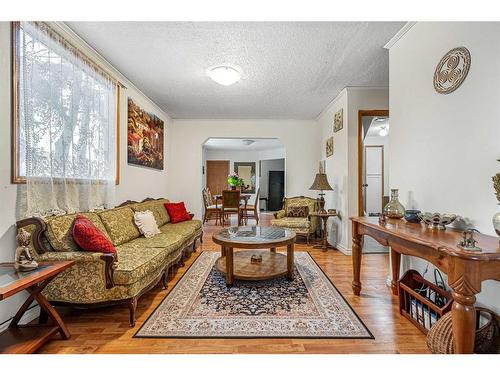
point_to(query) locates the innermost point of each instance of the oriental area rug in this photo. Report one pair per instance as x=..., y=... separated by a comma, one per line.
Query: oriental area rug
x=202, y=306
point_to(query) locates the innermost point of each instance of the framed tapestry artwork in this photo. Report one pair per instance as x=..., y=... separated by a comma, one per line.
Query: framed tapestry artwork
x=338, y=120
x=246, y=171
x=329, y=147
x=144, y=137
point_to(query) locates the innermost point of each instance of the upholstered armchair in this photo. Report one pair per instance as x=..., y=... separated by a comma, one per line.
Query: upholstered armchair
x=303, y=226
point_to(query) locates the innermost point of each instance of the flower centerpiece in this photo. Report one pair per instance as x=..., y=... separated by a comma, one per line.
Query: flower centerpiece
x=234, y=181
x=496, y=186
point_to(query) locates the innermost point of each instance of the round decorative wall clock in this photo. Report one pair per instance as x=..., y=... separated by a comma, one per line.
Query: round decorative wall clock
x=452, y=70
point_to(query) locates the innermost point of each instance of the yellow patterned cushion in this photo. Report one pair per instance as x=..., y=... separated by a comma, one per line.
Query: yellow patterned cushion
x=119, y=223
x=142, y=255
x=157, y=208
x=301, y=201
x=134, y=263
x=292, y=222
x=184, y=227
x=60, y=228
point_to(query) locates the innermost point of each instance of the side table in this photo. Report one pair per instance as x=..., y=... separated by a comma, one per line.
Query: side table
x=29, y=337
x=324, y=237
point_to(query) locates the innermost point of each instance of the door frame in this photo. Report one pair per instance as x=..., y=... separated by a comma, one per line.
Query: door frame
x=383, y=175
x=361, y=113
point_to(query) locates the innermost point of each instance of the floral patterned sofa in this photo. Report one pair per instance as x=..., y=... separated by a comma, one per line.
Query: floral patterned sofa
x=96, y=279
x=303, y=226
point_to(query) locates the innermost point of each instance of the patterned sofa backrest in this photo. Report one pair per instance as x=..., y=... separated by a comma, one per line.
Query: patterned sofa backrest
x=59, y=231
x=312, y=203
x=156, y=206
x=56, y=231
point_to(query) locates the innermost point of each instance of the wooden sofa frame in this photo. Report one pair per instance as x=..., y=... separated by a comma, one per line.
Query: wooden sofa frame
x=109, y=267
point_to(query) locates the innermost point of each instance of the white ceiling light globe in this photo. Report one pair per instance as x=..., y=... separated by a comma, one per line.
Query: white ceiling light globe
x=224, y=75
x=383, y=131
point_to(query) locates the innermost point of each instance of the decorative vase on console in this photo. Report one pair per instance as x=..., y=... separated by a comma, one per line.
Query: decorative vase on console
x=496, y=217
x=394, y=209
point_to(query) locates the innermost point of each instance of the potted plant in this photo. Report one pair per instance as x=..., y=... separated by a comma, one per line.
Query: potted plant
x=234, y=181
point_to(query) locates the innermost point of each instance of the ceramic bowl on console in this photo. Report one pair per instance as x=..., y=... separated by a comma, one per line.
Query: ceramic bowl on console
x=412, y=216
x=437, y=220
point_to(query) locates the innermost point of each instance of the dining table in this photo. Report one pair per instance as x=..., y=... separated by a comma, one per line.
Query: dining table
x=243, y=197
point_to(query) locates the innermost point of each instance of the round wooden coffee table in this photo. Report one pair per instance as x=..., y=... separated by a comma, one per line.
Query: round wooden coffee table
x=239, y=265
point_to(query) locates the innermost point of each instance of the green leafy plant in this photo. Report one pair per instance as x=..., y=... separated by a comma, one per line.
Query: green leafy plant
x=234, y=180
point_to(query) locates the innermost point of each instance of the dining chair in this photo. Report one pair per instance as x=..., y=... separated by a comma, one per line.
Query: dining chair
x=211, y=210
x=231, y=205
x=249, y=211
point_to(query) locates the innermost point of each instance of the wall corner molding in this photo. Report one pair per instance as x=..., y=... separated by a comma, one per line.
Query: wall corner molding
x=399, y=34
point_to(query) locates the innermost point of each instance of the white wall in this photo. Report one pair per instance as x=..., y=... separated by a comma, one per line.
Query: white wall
x=444, y=147
x=300, y=139
x=136, y=182
x=342, y=166
x=336, y=169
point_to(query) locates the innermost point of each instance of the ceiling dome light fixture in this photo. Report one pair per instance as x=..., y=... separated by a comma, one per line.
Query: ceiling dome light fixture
x=383, y=131
x=224, y=75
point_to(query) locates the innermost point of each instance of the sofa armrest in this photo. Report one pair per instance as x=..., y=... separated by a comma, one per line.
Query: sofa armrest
x=37, y=232
x=83, y=257
x=280, y=214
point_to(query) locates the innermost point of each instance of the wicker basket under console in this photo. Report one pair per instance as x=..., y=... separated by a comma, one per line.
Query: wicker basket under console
x=440, y=337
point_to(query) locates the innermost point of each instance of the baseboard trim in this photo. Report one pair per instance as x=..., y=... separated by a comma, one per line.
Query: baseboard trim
x=343, y=250
x=30, y=315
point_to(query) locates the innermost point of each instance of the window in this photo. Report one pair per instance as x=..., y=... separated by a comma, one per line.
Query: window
x=65, y=110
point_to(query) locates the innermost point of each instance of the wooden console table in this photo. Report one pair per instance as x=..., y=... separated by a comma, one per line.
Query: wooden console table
x=28, y=338
x=466, y=270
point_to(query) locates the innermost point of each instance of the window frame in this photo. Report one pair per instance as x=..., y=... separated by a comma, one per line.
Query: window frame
x=16, y=178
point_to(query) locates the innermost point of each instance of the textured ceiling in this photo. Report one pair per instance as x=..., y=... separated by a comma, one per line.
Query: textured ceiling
x=290, y=70
x=236, y=144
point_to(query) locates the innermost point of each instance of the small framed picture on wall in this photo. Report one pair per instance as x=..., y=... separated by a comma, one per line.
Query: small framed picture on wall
x=338, y=120
x=329, y=147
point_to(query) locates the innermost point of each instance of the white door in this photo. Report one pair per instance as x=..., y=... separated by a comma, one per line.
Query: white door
x=374, y=179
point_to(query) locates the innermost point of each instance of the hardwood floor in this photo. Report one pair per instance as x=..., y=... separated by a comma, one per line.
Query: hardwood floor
x=107, y=330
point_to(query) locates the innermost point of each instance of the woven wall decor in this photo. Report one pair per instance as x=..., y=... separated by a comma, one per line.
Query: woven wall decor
x=452, y=70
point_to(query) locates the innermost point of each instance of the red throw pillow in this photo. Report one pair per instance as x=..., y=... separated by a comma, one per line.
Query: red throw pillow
x=177, y=212
x=90, y=238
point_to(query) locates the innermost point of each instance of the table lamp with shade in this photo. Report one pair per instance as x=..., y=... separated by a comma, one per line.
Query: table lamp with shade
x=321, y=183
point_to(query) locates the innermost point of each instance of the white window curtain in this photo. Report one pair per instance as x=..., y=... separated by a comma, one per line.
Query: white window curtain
x=67, y=126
